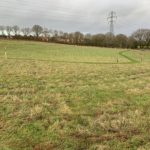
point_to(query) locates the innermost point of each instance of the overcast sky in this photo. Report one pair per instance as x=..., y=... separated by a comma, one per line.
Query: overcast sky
x=87, y=16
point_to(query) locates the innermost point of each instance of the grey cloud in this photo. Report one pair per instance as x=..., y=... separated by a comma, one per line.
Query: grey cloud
x=88, y=16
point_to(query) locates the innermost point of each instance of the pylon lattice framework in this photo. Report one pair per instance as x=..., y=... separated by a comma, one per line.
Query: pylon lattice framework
x=112, y=17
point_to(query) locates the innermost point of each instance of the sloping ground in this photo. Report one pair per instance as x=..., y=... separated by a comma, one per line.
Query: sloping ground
x=139, y=55
x=59, y=52
x=48, y=105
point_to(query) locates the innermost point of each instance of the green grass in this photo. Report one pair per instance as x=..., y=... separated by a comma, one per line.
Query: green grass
x=57, y=52
x=67, y=102
x=139, y=56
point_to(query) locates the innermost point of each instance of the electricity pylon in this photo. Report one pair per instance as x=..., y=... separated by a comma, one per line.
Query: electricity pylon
x=112, y=17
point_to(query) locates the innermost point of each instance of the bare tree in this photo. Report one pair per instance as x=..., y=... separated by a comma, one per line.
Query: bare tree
x=71, y=38
x=142, y=36
x=98, y=40
x=60, y=33
x=9, y=30
x=147, y=37
x=109, y=40
x=56, y=33
x=88, y=39
x=2, y=29
x=78, y=38
x=121, y=41
x=66, y=37
x=51, y=32
x=37, y=29
x=131, y=43
x=138, y=35
x=46, y=32
x=26, y=31
x=16, y=29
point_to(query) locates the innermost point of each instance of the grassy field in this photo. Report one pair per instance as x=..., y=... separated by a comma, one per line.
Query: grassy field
x=57, y=52
x=63, y=97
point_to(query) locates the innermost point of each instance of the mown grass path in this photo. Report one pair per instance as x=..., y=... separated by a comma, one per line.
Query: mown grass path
x=132, y=60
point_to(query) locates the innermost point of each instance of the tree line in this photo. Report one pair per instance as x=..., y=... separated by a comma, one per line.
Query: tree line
x=139, y=39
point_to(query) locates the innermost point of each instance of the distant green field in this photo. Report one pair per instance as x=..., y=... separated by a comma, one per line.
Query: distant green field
x=57, y=52
x=61, y=97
